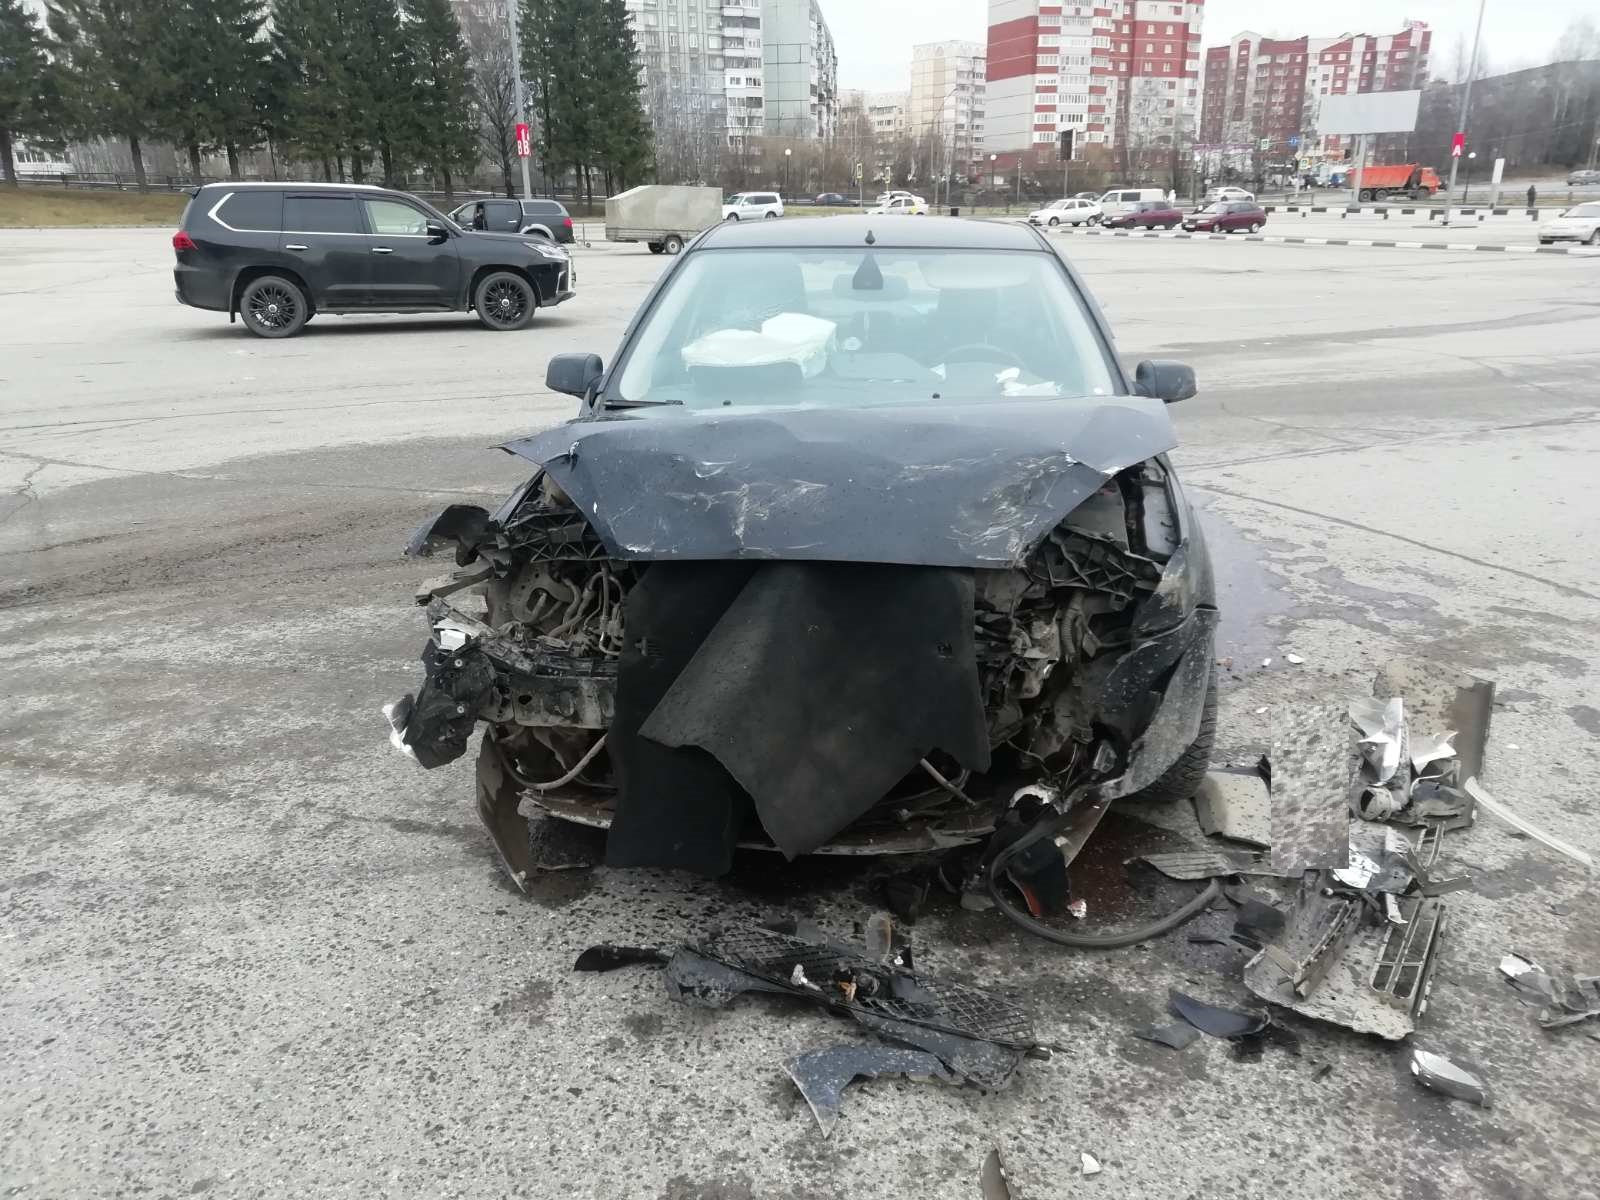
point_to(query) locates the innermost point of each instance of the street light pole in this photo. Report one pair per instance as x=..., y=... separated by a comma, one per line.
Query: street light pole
x=516, y=78
x=1466, y=100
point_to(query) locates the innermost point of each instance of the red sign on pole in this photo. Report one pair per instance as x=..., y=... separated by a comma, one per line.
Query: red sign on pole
x=524, y=141
x=1456, y=144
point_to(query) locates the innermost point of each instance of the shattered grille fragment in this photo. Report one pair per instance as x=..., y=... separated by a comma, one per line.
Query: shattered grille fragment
x=932, y=1003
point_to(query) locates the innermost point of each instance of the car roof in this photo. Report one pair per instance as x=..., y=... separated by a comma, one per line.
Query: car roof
x=297, y=185
x=919, y=232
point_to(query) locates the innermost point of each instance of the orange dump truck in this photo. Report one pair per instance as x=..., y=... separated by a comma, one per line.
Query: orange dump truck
x=1402, y=179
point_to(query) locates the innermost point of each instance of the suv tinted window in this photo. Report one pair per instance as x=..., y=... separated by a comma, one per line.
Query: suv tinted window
x=252, y=210
x=321, y=214
x=393, y=217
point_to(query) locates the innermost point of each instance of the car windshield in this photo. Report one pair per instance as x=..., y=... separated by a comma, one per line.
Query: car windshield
x=1059, y=204
x=850, y=327
x=1215, y=208
x=1583, y=210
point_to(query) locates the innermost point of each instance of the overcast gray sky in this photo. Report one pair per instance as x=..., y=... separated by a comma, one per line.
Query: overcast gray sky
x=874, y=37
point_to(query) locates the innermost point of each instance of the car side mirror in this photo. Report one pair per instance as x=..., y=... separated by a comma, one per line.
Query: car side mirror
x=573, y=374
x=1163, y=379
x=437, y=232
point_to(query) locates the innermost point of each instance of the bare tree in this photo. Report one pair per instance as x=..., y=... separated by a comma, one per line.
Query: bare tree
x=690, y=129
x=494, y=90
x=1580, y=42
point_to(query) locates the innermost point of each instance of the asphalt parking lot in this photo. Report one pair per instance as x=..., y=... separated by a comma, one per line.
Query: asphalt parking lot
x=248, y=950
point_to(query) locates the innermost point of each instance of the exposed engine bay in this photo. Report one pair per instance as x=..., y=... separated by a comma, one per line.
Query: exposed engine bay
x=808, y=705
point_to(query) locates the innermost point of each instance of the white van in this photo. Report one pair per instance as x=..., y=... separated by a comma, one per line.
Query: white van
x=1121, y=200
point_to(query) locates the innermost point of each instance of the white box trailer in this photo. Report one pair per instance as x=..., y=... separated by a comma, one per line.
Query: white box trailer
x=663, y=216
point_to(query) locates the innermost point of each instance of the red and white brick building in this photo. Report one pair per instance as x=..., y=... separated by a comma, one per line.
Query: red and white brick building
x=1270, y=89
x=1123, y=73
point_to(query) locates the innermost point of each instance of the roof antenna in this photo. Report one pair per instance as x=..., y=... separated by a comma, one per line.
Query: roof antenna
x=871, y=241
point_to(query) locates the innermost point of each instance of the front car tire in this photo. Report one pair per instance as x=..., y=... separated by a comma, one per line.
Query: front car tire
x=505, y=302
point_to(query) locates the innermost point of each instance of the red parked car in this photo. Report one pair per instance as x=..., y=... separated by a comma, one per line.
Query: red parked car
x=1146, y=214
x=1227, y=215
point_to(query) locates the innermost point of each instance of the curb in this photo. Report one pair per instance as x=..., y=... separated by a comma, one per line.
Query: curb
x=1432, y=210
x=1277, y=239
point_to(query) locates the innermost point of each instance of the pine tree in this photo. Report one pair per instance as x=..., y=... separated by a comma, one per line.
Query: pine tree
x=447, y=136
x=27, y=85
x=380, y=71
x=308, y=85
x=548, y=42
x=110, y=52
x=214, y=64
x=623, y=142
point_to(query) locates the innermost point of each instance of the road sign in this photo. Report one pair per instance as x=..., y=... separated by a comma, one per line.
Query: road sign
x=524, y=141
x=1294, y=141
x=1264, y=144
x=1456, y=145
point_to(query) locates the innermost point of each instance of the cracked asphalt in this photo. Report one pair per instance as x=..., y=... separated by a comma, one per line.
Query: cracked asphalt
x=247, y=950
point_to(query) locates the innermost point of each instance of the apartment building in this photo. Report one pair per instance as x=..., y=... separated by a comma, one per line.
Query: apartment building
x=1260, y=89
x=800, y=70
x=947, y=99
x=1123, y=73
x=889, y=113
x=749, y=67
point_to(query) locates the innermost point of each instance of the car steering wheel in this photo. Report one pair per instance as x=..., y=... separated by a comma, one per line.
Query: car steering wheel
x=983, y=352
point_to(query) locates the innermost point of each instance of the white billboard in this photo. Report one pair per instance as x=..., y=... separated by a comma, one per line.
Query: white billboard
x=1368, y=112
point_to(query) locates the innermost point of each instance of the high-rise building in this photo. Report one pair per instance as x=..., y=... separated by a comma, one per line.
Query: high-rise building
x=947, y=99
x=745, y=67
x=1270, y=89
x=800, y=70
x=1123, y=73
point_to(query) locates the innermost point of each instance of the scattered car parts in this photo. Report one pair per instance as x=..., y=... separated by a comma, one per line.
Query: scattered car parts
x=822, y=1075
x=1439, y=1074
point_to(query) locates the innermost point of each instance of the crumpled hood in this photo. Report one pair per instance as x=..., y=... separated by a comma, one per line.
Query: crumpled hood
x=975, y=484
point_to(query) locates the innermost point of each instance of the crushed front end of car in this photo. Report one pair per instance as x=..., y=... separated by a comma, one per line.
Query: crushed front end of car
x=820, y=630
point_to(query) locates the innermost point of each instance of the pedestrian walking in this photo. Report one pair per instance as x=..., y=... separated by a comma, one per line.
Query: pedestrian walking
x=1533, y=197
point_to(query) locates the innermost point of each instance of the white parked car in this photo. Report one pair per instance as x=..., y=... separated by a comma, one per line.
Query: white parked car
x=1073, y=211
x=908, y=206
x=747, y=206
x=897, y=194
x=1227, y=195
x=1580, y=223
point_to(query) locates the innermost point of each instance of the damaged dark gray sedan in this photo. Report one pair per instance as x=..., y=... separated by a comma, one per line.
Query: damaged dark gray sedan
x=862, y=540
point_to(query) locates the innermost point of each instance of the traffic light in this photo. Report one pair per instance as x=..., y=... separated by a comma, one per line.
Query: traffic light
x=1066, y=144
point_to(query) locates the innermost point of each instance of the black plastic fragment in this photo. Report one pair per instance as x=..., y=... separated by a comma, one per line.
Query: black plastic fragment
x=1213, y=1020
x=822, y=1075
x=983, y=1063
x=609, y=958
x=1177, y=1035
x=1263, y=922
x=1251, y=1045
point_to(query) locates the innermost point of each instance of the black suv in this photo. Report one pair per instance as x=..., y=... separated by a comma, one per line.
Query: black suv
x=277, y=254
x=547, y=218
